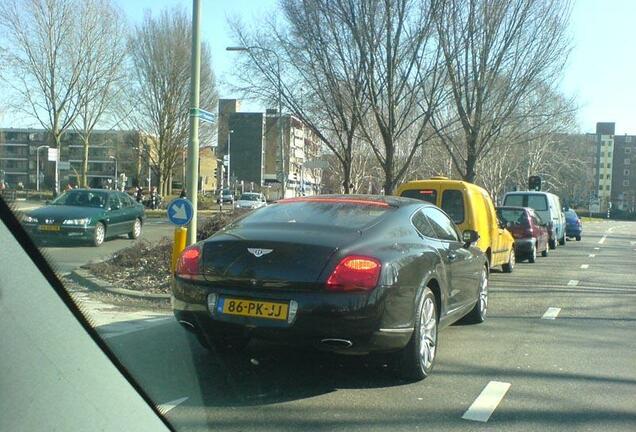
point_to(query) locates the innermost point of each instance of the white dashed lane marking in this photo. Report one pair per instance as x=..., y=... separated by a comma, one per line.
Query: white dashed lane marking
x=602, y=240
x=597, y=248
x=487, y=401
x=551, y=313
x=591, y=255
x=585, y=266
x=573, y=282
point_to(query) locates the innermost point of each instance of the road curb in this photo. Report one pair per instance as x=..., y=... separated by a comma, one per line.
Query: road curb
x=87, y=278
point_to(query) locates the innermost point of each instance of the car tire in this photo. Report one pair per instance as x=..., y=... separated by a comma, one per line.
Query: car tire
x=562, y=240
x=99, y=234
x=510, y=265
x=478, y=313
x=552, y=244
x=532, y=258
x=578, y=238
x=545, y=252
x=136, y=231
x=418, y=357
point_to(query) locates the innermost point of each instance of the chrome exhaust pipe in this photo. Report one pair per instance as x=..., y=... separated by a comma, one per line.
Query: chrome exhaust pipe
x=337, y=343
x=187, y=324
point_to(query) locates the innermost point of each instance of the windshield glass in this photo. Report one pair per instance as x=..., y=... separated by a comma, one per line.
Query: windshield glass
x=279, y=215
x=249, y=197
x=81, y=198
x=344, y=215
x=513, y=216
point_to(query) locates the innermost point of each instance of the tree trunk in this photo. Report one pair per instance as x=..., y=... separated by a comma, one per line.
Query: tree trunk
x=346, y=174
x=471, y=161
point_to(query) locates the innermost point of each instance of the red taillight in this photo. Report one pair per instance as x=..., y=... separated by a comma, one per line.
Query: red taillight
x=355, y=273
x=188, y=263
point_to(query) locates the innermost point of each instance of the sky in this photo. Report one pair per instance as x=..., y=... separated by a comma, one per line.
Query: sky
x=600, y=72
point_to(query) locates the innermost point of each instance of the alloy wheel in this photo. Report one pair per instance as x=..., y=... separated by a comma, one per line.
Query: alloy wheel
x=483, y=294
x=428, y=333
x=99, y=234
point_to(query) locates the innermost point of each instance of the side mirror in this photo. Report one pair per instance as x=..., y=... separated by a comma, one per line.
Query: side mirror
x=469, y=237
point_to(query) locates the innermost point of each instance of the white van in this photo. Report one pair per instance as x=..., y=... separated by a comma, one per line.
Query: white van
x=547, y=206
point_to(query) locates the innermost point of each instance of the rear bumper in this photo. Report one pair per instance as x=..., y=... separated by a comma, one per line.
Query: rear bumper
x=573, y=231
x=524, y=246
x=356, y=318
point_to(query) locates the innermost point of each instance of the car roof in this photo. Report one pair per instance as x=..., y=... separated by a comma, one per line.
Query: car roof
x=442, y=181
x=514, y=208
x=383, y=200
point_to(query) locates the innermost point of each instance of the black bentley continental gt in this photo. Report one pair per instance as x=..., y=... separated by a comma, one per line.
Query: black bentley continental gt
x=350, y=274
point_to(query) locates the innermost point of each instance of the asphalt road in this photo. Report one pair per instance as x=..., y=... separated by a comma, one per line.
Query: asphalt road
x=65, y=258
x=575, y=372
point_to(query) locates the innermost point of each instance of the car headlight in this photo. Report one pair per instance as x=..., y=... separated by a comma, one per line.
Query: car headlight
x=30, y=219
x=84, y=221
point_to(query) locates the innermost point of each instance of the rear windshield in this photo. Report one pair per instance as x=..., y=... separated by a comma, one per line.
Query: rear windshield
x=537, y=202
x=453, y=205
x=428, y=195
x=513, y=216
x=332, y=214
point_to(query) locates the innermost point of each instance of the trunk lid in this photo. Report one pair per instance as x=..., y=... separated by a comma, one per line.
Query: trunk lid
x=272, y=258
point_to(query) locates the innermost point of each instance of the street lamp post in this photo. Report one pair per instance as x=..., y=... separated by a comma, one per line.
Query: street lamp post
x=229, y=172
x=37, y=166
x=281, y=151
x=115, y=159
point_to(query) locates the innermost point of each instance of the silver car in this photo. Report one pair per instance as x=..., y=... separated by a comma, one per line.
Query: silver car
x=251, y=200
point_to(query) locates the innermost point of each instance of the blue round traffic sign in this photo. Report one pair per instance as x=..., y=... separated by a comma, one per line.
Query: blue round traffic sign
x=180, y=211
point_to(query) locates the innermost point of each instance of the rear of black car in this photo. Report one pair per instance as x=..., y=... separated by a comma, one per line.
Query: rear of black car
x=297, y=271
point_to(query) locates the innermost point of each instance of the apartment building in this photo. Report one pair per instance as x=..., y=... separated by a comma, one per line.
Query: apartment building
x=253, y=141
x=615, y=178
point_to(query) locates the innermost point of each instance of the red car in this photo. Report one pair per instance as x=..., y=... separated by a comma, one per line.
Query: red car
x=530, y=232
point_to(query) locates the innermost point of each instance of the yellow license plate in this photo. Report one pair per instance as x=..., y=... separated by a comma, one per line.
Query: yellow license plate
x=256, y=309
x=49, y=227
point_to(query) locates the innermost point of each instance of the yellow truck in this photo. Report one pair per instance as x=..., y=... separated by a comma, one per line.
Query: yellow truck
x=471, y=208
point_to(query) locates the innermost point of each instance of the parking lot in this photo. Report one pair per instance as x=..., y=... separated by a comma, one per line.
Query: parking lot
x=556, y=353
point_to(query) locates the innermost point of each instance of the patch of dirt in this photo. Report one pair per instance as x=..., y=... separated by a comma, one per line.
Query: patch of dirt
x=145, y=266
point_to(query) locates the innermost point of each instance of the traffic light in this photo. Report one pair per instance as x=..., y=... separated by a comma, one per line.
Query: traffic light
x=534, y=183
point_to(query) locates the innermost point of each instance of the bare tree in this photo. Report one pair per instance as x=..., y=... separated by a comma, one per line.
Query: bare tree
x=402, y=73
x=160, y=54
x=47, y=59
x=496, y=53
x=101, y=80
x=321, y=79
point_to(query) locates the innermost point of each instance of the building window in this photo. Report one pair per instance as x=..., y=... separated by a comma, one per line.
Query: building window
x=628, y=139
x=609, y=165
x=625, y=182
x=628, y=150
x=626, y=172
x=627, y=161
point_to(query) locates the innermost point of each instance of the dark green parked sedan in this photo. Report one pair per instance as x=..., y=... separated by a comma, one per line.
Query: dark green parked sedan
x=86, y=214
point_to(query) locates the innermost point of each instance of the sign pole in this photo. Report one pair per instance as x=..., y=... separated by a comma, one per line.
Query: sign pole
x=193, y=147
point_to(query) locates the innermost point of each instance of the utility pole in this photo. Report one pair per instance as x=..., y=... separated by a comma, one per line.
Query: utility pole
x=193, y=147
